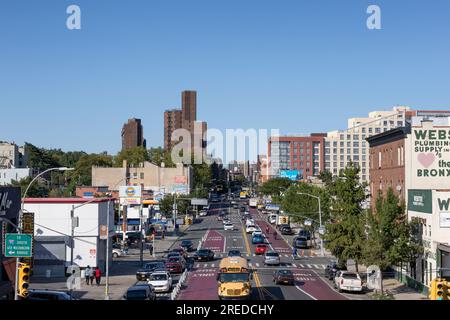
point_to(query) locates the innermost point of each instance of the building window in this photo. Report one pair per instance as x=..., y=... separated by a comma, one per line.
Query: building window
x=355, y=144
x=377, y=130
x=355, y=137
x=334, y=144
x=335, y=157
x=342, y=164
x=327, y=144
x=370, y=130
x=342, y=151
x=349, y=144
x=363, y=177
x=355, y=151
x=341, y=137
x=142, y=175
x=341, y=157
x=379, y=159
x=355, y=158
x=363, y=130
x=363, y=157
x=334, y=150
x=341, y=144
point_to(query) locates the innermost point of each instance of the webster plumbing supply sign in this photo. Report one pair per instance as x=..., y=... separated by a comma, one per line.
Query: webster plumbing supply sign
x=430, y=156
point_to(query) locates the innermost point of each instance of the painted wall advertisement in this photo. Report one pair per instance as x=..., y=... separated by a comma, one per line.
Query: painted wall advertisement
x=420, y=201
x=430, y=156
x=443, y=206
x=293, y=175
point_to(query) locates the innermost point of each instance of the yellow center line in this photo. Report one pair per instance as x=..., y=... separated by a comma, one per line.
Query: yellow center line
x=255, y=274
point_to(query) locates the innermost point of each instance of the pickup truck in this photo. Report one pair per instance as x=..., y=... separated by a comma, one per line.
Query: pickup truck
x=348, y=281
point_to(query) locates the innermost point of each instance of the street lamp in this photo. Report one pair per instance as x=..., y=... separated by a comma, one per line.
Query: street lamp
x=16, y=296
x=320, y=219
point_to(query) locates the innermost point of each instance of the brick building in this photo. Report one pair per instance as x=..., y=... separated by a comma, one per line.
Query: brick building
x=133, y=134
x=302, y=153
x=172, y=122
x=387, y=162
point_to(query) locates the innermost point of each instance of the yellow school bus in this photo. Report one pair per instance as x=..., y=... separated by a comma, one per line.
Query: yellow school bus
x=234, y=279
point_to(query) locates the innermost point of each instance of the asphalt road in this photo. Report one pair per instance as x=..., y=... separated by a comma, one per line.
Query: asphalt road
x=201, y=283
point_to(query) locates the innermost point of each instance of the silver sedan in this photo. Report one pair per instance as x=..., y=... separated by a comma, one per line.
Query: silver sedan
x=272, y=258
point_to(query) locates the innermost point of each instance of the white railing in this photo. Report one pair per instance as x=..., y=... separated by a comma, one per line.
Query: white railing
x=177, y=289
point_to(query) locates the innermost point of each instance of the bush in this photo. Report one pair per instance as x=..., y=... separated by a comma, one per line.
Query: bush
x=382, y=296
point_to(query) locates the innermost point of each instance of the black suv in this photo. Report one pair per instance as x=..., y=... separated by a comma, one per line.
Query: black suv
x=187, y=245
x=286, y=230
x=140, y=291
x=150, y=267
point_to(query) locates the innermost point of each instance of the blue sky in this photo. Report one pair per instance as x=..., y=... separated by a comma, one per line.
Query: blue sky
x=294, y=65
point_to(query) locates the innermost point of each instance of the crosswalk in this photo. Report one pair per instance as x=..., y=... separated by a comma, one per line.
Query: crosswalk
x=224, y=255
x=258, y=265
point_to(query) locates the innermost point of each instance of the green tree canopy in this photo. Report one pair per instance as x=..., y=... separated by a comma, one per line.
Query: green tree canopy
x=346, y=235
x=159, y=155
x=275, y=186
x=134, y=156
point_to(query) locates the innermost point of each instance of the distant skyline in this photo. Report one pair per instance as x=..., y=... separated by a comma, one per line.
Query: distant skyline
x=298, y=66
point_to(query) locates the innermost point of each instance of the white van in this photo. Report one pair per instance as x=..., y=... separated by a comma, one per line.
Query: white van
x=272, y=218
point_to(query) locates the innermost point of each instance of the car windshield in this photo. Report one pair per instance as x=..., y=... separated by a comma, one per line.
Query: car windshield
x=203, y=251
x=349, y=276
x=272, y=254
x=136, y=294
x=285, y=273
x=154, y=265
x=234, y=277
x=158, y=277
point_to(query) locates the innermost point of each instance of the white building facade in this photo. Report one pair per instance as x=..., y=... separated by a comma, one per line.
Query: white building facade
x=349, y=145
x=427, y=180
x=52, y=232
x=12, y=156
x=8, y=175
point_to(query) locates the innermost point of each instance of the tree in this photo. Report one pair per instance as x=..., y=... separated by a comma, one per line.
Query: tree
x=166, y=205
x=133, y=156
x=275, y=186
x=40, y=158
x=346, y=235
x=389, y=236
x=36, y=190
x=159, y=155
x=303, y=207
x=202, y=176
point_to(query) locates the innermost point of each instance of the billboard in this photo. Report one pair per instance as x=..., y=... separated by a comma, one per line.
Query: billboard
x=130, y=195
x=293, y=175
x=430, y=155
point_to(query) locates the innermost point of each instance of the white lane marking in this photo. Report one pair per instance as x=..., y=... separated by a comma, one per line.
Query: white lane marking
x=198, y=265
x=257, y=265
x=306, y=293
x=286, y=255
x=295, y=266
x=250, y=264
x=302, y=265
x=323, y=266
x=309, y=266
x=205, y=265
x=212, y=265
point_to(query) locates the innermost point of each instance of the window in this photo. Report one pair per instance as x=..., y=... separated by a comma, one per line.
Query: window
x=341, y=144
x=377, y=130
x=355, y=158
x=379, y=159
x=342, y=151
x=356, y=151
x=335, y=157
x=335, y=164
x=429, y=228
x=334, y=150
x=355, y=137
x=334, y=144
x=349, y=144
x=363, y=157
x=342, y=164
x=349, y=151
x=363, y=130
x=363, y=177
x=142, y=175
x=341, y=137
x=399, y=123
x=349, y=137
x=327, y=157
x=341, y=157
x=327, y=144
x=355, y=144
x=370, y=130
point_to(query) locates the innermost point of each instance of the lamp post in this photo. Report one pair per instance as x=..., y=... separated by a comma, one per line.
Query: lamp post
x=16, y=296
x=320, y=219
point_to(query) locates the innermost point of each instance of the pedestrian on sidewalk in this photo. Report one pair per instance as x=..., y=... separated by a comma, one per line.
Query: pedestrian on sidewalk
x=87, y=274
x=150, y=249
x=98, y=276
x=91, y=276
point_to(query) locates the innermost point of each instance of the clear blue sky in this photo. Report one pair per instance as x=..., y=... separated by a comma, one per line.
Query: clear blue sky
x=300, y=66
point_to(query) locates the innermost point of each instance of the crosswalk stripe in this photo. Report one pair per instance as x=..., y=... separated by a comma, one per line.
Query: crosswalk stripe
x=257, y=265
x=212, y=265
x=295, y=266
x=286, y=255
x=250, y=264
x=323, y=266
x=316, y=266
x=205, y=266
x=309, y=266
x=301, y=265
x=198, y=265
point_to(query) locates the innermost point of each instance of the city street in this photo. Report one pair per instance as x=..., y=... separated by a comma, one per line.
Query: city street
x=201, y=283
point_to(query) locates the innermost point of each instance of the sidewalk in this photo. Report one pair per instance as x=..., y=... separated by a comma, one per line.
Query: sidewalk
x=122, y=273
x=400, y=291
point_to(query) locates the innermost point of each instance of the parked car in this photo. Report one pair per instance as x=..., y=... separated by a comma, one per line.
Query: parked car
x=234, y=253
x=228, y=226
x=348, y=281
x=48, y=295
x=286, y=230
x=260, y=249
x=284, y=276
x=204, y=255
x=117, y=252
x=272, y=218
x=173, y=254
x=300, y=242
x=332, y=268
x=258, y=239
x=140, y=291
x=161, y=281
x=257, y=232
x=272, y=258
x=175, y=264
x=150, y=267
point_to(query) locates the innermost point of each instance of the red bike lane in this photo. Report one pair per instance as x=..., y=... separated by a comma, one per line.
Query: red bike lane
x=201, y=283
x=308, y=281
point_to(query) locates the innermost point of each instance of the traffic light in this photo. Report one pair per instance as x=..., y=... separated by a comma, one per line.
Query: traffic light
x=24, y=279
x=439, y=290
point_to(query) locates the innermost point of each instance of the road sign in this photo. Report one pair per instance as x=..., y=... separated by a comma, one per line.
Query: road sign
x=18, y=245
x=199, y=202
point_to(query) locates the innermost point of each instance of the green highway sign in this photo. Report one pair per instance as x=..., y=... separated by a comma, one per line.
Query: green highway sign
x=18, y=245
